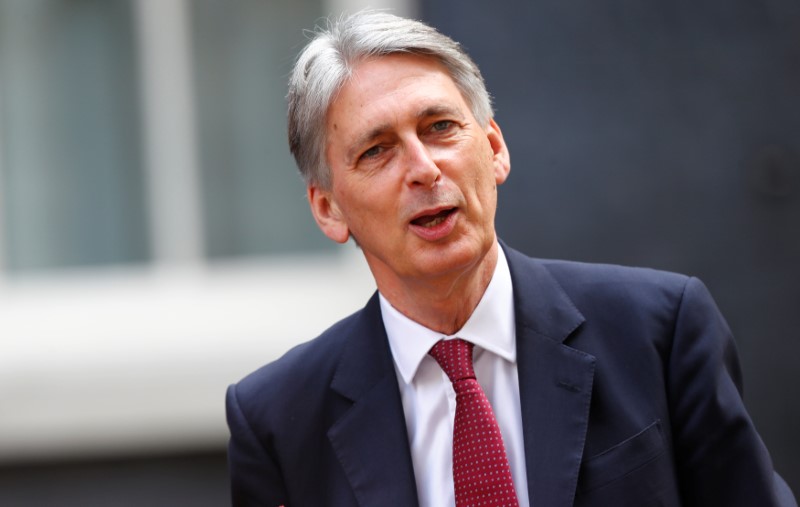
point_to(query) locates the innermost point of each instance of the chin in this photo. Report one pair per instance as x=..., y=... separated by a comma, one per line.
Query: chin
x=453, y=259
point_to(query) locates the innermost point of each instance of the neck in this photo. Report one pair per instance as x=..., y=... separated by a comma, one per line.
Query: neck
x=443, y=304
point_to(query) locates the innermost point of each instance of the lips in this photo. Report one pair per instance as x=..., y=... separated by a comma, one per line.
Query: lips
x=433, y=219
x=435, y=224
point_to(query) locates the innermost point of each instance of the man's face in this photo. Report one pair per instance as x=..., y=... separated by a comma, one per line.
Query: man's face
x=414, y=176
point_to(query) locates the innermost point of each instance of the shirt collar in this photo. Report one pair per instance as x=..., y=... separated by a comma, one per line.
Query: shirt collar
x=490, y=327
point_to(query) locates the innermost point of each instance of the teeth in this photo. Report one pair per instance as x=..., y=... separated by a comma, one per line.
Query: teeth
x=436, y=221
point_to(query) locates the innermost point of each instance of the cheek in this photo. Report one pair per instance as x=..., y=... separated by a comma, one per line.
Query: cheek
x=363, y=207
x=484, y=174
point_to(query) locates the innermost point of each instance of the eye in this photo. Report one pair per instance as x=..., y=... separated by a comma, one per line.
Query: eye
x=441, y=126
x=371, y=152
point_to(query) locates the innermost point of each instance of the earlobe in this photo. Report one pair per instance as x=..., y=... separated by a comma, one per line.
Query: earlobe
x=501, y=159
x=327, y=214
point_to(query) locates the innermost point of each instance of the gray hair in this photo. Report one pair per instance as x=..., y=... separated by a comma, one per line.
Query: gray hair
x=328, y=60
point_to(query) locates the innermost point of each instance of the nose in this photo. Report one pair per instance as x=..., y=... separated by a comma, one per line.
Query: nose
x=421, y=168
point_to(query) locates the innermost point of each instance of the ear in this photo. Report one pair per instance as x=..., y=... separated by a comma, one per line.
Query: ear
x=500, y=158
x=327, y=214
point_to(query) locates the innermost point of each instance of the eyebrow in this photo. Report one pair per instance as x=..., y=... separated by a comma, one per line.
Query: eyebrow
x=440, y=110
x=365, y=139
x=374, y=133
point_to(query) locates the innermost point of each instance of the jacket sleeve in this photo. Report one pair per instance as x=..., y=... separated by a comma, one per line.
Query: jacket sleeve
x=255, y=477
x=721, y=459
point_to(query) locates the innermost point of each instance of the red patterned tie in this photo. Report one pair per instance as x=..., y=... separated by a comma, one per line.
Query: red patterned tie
x=481, y=471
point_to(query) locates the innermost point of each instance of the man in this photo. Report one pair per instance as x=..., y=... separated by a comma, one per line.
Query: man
x=606, y=386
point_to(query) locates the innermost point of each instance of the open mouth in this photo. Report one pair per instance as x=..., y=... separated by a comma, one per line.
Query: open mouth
x=433, y=220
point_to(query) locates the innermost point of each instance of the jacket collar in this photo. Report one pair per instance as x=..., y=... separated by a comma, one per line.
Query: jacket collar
x=555, y=382
x=370, y=439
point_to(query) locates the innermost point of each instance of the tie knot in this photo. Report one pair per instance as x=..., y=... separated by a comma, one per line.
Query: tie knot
x=455, y=358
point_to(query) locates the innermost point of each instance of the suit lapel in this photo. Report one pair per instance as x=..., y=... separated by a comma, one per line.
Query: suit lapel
x=555, y=383
x=370, y=439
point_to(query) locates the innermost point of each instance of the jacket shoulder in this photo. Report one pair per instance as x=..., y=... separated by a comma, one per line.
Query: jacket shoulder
x=591, y=284
x=612, y=279
x=302, y=373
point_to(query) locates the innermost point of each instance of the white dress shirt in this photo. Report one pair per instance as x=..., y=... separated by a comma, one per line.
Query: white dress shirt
x=428, y=398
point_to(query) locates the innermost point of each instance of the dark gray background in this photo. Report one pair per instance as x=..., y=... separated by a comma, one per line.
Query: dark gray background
x=664, y=134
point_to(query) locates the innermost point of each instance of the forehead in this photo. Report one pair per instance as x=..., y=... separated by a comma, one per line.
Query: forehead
x=384, y=88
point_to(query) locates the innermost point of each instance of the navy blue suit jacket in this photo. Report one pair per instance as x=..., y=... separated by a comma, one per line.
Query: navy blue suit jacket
x=630, y=391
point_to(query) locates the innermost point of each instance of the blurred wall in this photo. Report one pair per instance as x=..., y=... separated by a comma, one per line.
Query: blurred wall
x=664, y=134
x=155, y=244
x=155, y=241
